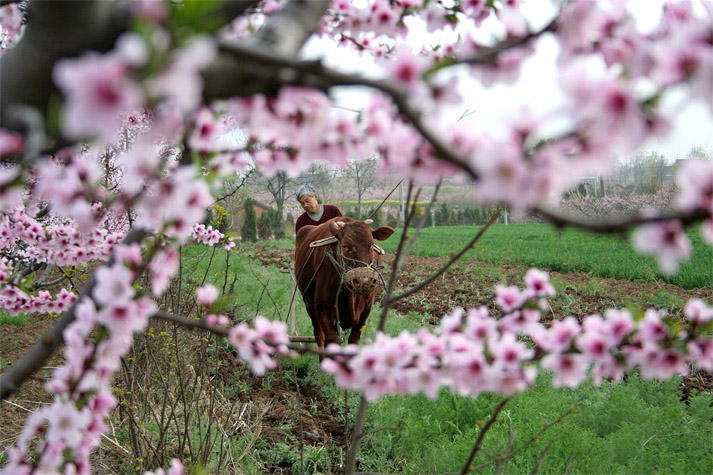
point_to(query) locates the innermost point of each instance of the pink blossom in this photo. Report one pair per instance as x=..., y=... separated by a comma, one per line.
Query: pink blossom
x=697, y=311
x=114, y=284
x=655, y=362
x=569, y=369
x=126, y=317
x=217, y=320
x=652, y=328
x=666, y=241
x=132, y=49
x=98, y=90
x=509, y=298
x=207, y=295
x=130, y=254
x=451, y=323
x=181, y=83
x=707, y=231
x=175, y=469
x=407, y=68
x=11, y=143
x=162, y=268
x=559, y=337
x=695, y=185
x=66, y=423
x=618, y=324
x=154, y=10
x=701, y=353
x=206, y=132
x=538, y=282
x=508, y=352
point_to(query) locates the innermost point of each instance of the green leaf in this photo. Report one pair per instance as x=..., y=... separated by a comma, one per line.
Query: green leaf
x=440, y=64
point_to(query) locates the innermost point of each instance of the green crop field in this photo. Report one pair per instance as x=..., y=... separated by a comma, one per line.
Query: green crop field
x=633, y=427
x=544, y=246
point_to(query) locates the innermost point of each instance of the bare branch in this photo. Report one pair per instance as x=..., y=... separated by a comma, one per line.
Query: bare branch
x=539, y=460
x=440, y=271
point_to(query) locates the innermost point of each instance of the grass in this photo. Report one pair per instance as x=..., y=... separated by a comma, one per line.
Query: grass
x=19, y=320
x=570, y=250
x=607, y=433
x=633, y=427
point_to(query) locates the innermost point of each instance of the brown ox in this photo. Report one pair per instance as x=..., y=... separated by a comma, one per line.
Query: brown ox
x=319, y=278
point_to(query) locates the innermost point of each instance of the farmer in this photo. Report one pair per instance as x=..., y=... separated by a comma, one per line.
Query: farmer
x=315, y=213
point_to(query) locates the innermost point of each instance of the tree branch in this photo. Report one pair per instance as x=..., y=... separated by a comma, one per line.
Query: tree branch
x=286, y=70
x=619, y=226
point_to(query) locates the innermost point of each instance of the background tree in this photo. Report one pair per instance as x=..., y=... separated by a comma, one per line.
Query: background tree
x=249, y=229
x=363, y=173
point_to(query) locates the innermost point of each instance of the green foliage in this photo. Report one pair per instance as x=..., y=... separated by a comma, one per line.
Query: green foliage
x=217, y=217
x=275, y=223
x=544, y=246
x=263, y=227
x=249, y=229
x=605, y=434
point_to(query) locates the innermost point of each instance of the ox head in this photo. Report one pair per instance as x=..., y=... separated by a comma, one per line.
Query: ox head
x=356, y=239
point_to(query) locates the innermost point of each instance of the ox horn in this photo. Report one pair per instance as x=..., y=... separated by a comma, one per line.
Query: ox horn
x=340, y=224
x=368, y=221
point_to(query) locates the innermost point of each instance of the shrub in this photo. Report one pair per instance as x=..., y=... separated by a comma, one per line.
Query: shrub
x=263, y=226
x=249, y=229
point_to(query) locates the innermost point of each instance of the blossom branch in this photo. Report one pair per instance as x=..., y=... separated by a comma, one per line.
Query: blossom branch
x=620, y=226
x=35, y=358
x=489, y=55
x=314, y=74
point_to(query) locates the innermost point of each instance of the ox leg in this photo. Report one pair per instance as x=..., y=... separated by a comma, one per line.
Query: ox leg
x=355, y=334
x=326, y=321
x=318, y=333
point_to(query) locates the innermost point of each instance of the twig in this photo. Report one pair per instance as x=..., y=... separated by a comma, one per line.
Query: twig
x=507, y=449
x=674, y=435
x=356, y=436
x=440, y=271
x=526, y=444
x=539, y=460
x=384, y=200
x=481, y=435
x=422, y=221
